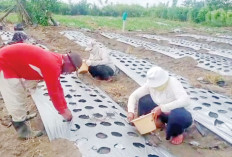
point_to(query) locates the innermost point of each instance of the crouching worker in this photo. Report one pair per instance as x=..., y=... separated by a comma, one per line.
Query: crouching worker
x=21, y=66
x=100, y=65
x=165, y=96
x=18, y=37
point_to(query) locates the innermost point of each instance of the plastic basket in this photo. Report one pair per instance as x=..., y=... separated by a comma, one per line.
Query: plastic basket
x=84, y=68
x=145, y=123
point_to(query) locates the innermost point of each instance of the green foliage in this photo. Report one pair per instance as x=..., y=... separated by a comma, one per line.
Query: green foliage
x=201, y=17
x=213, y=12
x=62, y=8
x=217, y=4
x=193, y=3
x=173, y=13
x=178, y=13
x=81, y=8
x=39, y=10
x=208, y=17
x=106, y=22
x=5, y=4
x=160, y=12
x=11, y=18
x=218, y=17
x=118, y=9
x=192, y=14
x=174, y=3
x=229, y=18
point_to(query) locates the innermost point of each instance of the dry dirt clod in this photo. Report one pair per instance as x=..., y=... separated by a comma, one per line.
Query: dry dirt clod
x=194, y=143
x=6, y=121
x=17, y=153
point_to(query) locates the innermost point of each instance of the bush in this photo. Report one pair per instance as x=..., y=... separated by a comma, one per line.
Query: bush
x=229, y=18
x=5, y=4
x=63, y=9
x=193, y=14
x=39, y=10
x=174, y=13
x=118, y=9
x=208, y=17
x=201, y=17
x=160, y=12
x=218, y=17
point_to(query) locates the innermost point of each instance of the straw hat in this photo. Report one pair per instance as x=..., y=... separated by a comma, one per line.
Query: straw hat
x=156, y=77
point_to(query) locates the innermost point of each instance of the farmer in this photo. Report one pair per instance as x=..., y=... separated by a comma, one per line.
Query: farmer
x=18, y=37
x=165, y=97
x=21, y=67
x=100, y=65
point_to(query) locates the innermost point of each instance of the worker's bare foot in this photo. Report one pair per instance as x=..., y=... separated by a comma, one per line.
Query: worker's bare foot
x=177, y=140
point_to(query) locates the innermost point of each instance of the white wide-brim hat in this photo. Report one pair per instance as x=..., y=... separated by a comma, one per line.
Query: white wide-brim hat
x=156, y=77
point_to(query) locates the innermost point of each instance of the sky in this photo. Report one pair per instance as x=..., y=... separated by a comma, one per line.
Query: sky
x=140, y=2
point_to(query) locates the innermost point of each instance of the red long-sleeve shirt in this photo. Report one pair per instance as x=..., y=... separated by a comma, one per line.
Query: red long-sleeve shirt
x=34, y=63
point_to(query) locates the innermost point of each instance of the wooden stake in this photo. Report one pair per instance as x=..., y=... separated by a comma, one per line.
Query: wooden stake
x=7, y=13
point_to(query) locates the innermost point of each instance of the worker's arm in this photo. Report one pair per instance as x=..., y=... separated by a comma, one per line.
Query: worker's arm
x=55, y=91
x=135, y=96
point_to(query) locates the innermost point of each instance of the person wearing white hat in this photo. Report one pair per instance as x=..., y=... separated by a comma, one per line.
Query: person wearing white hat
x=100, y=65
x=165, y=97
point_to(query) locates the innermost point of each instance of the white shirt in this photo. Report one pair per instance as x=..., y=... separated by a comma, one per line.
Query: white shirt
x=100, y=56
x=172, y=97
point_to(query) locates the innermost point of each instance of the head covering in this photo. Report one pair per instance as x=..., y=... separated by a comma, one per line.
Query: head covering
x=18, y=27
x=156, y=77
x=90, y=45
x=75, y=59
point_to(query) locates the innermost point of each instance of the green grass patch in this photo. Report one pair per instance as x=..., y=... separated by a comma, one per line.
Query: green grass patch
x=133, y=23
x=11, y=18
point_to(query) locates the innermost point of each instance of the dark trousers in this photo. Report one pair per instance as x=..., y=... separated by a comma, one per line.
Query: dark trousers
x=102, y=72
x=177, y=120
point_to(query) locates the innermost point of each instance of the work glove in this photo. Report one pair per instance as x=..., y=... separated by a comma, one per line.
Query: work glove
x=67, y=115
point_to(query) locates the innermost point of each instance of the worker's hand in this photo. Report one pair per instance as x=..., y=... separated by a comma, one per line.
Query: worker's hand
x=88, y=62
x=130, y=116
x=67, y=115
x=157, y=111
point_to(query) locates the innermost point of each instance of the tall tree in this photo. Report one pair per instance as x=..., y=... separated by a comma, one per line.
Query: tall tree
x=174, y=3
x=216, y=4
x=188, y=3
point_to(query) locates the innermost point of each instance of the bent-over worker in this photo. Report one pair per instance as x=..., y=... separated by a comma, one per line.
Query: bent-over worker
x=23, y=65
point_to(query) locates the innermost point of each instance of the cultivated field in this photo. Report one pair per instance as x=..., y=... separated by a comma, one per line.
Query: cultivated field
x=121, y=87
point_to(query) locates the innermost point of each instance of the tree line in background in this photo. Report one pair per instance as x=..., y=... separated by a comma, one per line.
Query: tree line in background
x=212, y=12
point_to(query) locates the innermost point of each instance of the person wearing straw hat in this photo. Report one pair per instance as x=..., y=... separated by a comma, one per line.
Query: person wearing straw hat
x=21, y=67
x=100, y=65
x=166, y=98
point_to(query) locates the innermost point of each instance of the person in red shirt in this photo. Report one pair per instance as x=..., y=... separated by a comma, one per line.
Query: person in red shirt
x=22, y=65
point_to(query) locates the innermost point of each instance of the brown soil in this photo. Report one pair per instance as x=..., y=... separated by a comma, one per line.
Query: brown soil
x=119, y=90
